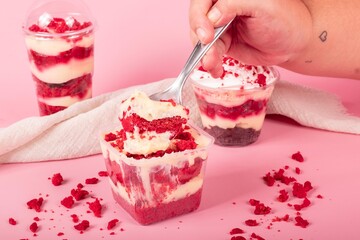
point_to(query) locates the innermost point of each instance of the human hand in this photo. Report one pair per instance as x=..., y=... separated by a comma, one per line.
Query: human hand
x=263, y=33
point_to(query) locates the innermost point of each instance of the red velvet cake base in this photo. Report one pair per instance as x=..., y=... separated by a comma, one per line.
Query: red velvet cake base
x=149, y=215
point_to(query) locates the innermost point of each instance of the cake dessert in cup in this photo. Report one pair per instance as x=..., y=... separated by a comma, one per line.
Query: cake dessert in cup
x=59, y=37
x=233, y=107
x=155, y=159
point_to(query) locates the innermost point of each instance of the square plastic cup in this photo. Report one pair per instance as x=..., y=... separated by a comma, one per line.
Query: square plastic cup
x=158, y=188
x=234, y=115
x=59, y=38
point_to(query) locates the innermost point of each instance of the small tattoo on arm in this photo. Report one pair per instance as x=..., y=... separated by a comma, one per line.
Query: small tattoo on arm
x=323, y=36
x=308, y=61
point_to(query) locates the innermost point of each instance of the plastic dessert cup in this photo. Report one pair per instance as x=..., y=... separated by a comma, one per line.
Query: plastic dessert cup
x=234, y=115
x=59, y=37
x=158, y=188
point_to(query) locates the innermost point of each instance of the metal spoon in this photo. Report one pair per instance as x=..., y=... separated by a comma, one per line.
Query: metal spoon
x=175, y=89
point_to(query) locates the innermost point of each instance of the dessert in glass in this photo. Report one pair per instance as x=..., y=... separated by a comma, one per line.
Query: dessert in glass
x=155, y=159
x=59, y=37
x=233, y=107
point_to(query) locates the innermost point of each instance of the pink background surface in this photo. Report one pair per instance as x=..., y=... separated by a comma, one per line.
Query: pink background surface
x=136, y=45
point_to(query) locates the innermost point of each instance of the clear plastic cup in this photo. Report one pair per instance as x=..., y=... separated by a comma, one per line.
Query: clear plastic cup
x=233, y=115
x=59, y=37
x=158, y=188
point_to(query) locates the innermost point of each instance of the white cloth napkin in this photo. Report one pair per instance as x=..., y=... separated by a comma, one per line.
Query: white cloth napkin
x=75, y=132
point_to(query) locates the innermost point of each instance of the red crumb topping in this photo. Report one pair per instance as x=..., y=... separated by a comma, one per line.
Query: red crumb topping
x=280, y=176
x=300, y=190
x=301, y=222
x=255, y=236
x=112, y=224
x=251, y=222
x=75, y=218
x=297, y=157
x=35, y=204
x=297, y=170
x=95, y=207
x=238, y=238
x=57, y=179
x=82, y=226
x=12, y=221
x=236, y=231
x=269, y=180
x=33, y=227
x=36, y=219
x=93, y=180
x=58, y=25
x=283, y=196
x=103, y=174
x=260, y=208
x=279, y=219
x=261, y=80
x=79, y=194
x=306, y=202
x=68, y=202
x=60, y=234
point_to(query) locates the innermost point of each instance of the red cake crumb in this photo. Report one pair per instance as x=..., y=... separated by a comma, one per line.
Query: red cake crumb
x=255, y=236
x=79, y=194
x=279, y=219
x=103, y=174
x=319, y=196
x=33, y=227
x=304, y=204
x=261, y=209
x=300, y=190
x=236, y=231
x=253, y=202
x=284, y=196
x=238, y=238
x=95, y=207
x=280, y=176
x=60, y=234
x=75, y=218
x=35, y=204
x=82, y=226
x=93, y=180
x=251, y=222
x=269, y=180
x=36, y=219
x=297, y=157
x=301, y=222
x=112, y=224
x=12, y=221
x=68, y=202
x=57, y=179
x=297, y=170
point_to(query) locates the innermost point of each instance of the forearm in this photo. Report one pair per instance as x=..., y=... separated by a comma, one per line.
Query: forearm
x=334, y=48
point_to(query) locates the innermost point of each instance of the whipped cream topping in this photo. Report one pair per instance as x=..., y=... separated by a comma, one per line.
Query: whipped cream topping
x=235, y=75
x=140, y=104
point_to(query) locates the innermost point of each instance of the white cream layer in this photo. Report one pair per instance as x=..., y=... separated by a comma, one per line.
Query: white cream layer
x=254, y=121
x=64, y=101
x=61, y=73
x=54, y=46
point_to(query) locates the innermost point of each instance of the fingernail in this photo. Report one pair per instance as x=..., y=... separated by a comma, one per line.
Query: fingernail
x=214, y=14
x=201, y=34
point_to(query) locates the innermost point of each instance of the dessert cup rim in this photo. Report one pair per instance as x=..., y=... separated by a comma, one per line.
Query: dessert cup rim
x=238, y=87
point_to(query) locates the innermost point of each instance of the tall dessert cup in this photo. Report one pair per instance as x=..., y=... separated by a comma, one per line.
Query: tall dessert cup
x=59, y=37
x=233, y=107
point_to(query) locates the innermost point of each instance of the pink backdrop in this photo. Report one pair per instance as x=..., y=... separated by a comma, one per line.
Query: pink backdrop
x=140, y=42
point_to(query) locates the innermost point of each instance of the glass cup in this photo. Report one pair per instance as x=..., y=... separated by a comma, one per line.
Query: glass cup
x=234, y=115
x=59, y=37
x=158, y=188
